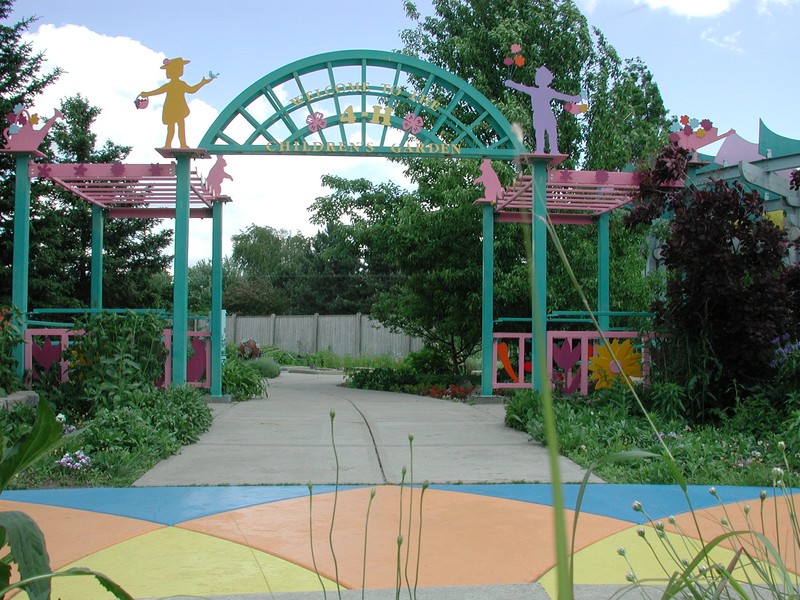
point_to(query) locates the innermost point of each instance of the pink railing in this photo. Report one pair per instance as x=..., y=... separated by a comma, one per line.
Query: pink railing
x=568, y=354
x=42, y=356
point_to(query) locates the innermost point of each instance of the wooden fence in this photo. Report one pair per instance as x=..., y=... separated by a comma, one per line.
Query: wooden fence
x=344, y=335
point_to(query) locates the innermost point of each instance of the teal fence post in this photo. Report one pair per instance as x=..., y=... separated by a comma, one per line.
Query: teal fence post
x=217, y=325
x=487, y=311
x=98, y=225
x=180, y=283
x=603, y=272
x=22, y=240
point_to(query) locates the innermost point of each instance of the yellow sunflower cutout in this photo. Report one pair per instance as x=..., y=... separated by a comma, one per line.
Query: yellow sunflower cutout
x=604, y=370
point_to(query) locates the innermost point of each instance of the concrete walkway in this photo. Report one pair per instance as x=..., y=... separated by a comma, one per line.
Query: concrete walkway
x=221, y=521
x=286, y=439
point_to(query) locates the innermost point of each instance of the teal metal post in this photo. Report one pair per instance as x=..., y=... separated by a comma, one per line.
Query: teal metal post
x=217, y=326
x=487, y=312
x=22, y=240
x=539, y=279
x=98, y=226
x=603, y=271
x=180, y=284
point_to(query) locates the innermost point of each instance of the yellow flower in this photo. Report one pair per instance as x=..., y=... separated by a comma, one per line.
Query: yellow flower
x=701, y=133
x=604, y=370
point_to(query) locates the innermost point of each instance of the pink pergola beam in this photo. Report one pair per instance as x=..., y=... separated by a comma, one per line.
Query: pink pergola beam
x=155, y=213
x=114, y=185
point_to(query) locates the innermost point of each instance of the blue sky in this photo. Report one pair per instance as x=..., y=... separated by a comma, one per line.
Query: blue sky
x=727, y=60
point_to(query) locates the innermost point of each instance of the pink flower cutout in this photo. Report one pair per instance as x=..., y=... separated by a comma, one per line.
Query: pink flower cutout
x=705, y=124
x=516, y=48
x=80, y=170
x=118, y=169
x=412, y=123
x=316, y=122
x=43, y=171
x=508, y=61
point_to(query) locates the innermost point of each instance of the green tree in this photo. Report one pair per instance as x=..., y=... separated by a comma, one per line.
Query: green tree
x=259, y=254
x=334, y=278
x=626, y=118
x=21, y=80
x=199, y=279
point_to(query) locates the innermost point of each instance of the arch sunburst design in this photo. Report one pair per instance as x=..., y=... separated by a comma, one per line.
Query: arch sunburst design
x=362, y=102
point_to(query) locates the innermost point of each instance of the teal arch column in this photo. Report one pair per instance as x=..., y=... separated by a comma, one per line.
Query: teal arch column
x=539, y=263
x=603, y=271
x=98, y=226
x=487, y=311
x=22, y=240
x=217, y=324
x=180, y=274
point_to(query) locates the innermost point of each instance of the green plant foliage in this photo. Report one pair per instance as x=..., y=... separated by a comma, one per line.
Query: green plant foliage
x=608, y=422
x=381, y=378
x=118, y=355
x=724, y=306
x=266, y=366
x=242, y=381
x=282, y=357
x=9, y=338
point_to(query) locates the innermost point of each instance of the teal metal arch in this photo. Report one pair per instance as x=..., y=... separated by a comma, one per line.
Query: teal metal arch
x=332, y=104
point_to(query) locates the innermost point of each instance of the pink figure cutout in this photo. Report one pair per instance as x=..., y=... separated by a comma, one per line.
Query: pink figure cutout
x=215, y=177
x=692, y=141
x=493, y=189
x=544, y=121
x=21, y=135
x=176, y=108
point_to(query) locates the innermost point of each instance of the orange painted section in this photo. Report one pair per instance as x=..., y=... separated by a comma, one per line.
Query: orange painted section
x=71, y=534
x=773, y=522
x=459, y=544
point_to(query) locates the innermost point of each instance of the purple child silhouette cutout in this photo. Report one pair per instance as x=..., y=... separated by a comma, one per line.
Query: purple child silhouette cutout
x=544, y=121
x=215, y=177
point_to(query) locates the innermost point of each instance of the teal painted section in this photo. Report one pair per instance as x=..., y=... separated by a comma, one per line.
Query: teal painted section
x=772, y=145
x=98, y=226
x=487, y=311
x=217, y=324
x=180, y=283
x=539, y=279
x=332, y=75
x=22, y=237
x=603, y=271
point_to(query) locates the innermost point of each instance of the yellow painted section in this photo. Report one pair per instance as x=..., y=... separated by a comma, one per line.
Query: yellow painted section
x=172, y=561
x=653, y=564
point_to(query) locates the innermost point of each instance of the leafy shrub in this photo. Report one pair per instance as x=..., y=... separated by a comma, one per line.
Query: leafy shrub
x=242, y=381
x=266, y=366
x=381, y=378
x=282, y=357
x=9, y=338
x=118, y=355
x=429, y=362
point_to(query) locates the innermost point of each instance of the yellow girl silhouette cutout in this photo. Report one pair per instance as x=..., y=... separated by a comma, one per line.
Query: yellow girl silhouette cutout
x=176, y=108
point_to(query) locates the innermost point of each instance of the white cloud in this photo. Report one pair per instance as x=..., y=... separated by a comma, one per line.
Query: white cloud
x=764, y=6
x=726, y=42
x=110, y=72
x=690, y=8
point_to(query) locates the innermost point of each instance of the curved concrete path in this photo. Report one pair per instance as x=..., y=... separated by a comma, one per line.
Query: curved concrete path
x=286, y=439
x=196, y=526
